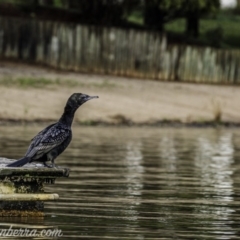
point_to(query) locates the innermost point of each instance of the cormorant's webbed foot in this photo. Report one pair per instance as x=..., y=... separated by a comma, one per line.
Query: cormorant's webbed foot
x=50, y=166
x=46, y=165
x=53, y=165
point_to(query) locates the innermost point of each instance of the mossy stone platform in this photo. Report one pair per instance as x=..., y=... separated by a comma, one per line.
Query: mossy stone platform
x=22, y=188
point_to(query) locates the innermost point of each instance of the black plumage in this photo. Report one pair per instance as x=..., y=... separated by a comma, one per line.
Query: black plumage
x=54, y=139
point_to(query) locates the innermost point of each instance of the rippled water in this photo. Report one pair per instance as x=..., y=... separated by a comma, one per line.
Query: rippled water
x=142, y=183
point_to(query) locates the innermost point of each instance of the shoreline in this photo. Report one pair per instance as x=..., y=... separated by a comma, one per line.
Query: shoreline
x=160, y=123
x=37, y=95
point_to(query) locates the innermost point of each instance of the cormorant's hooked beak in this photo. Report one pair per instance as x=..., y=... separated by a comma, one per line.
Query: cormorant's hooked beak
x=90, y=97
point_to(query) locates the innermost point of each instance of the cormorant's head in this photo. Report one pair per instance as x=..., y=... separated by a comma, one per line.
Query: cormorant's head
x=77, y=99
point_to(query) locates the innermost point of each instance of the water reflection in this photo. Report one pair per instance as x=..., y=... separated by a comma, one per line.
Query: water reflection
x=134, y=169
x=168, y=152
x=143, y=183
x=214, y=161
x=134, y=179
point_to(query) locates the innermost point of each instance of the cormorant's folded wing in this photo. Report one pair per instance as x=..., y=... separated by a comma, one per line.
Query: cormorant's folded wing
x=52, y=138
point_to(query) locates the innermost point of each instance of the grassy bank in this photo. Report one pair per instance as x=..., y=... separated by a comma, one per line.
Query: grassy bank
x=32, y=82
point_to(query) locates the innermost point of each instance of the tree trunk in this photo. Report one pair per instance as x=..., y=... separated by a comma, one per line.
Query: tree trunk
x=192, y=25
x=35, y=3
x=153, y=16
x=238, y=4
x=47, y=2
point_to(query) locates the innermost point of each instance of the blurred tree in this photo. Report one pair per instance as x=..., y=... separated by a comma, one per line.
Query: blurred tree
x=115, y=12
x=158, y=12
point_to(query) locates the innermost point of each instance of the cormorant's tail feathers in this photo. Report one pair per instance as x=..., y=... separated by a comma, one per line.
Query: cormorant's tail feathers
x=19, y=163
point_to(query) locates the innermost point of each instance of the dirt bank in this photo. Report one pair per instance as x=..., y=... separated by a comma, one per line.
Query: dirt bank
x=121, y=99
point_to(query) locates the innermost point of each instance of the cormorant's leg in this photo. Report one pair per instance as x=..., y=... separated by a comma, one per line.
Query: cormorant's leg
x=51, y=157
x=53, y=164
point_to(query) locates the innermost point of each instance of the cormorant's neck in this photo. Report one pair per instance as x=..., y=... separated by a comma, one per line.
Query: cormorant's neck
x=68, y=115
